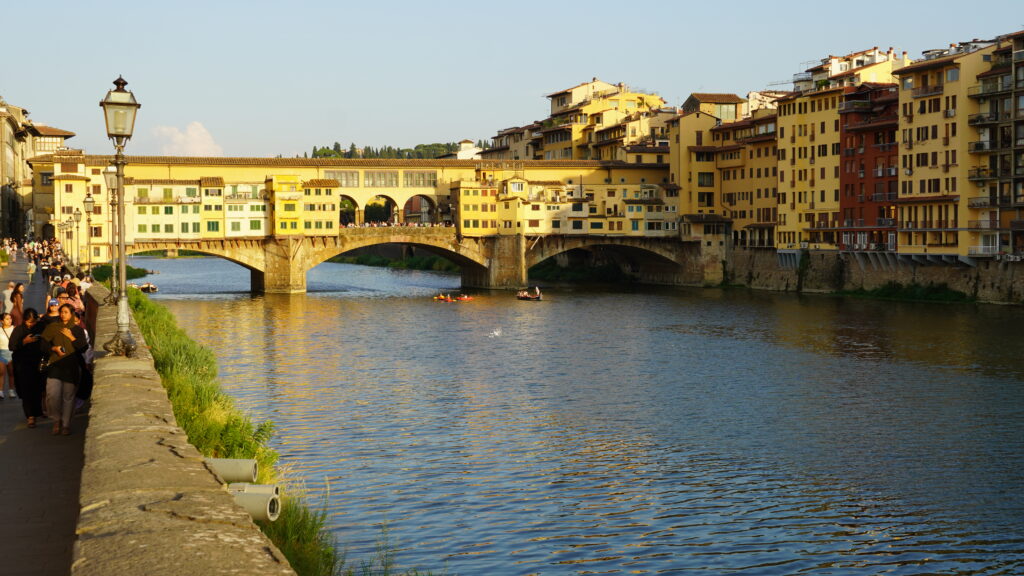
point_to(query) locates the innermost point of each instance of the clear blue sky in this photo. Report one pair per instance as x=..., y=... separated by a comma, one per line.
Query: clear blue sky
x=261, y=78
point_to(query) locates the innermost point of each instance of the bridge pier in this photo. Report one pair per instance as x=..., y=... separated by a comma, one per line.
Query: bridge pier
x=507, y=267
x=285, y=266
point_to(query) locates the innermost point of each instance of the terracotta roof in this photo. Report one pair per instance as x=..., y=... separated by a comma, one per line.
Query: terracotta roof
x=212, y=161
x=70, y=177
x=547, y=182
x=45, y=130
x=716, y=98
x=211, y=182
x=643, y=201
x=929, y=64
x=322, y=183
x=159, y=182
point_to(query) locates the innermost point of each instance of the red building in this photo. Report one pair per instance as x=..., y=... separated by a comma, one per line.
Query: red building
x=869, y=177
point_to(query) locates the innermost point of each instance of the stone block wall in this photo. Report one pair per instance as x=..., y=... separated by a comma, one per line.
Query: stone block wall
x=149, y=504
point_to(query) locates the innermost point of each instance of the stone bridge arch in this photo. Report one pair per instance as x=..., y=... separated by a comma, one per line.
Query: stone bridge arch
x=653, y=260
x=246, y=253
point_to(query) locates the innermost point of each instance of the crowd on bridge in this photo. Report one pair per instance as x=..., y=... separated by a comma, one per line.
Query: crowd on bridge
x=45, y=357
x=399, y=225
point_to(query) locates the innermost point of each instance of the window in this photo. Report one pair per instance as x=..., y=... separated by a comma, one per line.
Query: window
x=142, y=228
x=952, y=74
x=255, y=225
x=381, y=178
x=705, y=179
x=191, y=192
x=184, y=227
x=213, y=226
x=236, y=226
x=141, y=209
x=168, y=228
x=156, y=228
x=345, y=178
x=155, y=210
x=168, y=209
x=419, y=179
x=289, y=207
x=195, y=227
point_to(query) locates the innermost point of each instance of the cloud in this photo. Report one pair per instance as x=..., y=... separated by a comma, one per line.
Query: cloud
x=196, y=140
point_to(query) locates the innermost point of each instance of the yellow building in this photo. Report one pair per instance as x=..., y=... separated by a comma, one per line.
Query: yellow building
x=694, y=184
x=20, y=140
x=746, y=162
x=190, y=199
x=946, y=208
x=809, y=146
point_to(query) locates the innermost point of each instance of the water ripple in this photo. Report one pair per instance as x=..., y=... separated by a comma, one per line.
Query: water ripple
x=668, y=432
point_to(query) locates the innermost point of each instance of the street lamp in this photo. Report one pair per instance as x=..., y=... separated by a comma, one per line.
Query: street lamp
x=69, y=235
x=111, y=177
x=77, y=217
x=119, y=108
x=90, y=204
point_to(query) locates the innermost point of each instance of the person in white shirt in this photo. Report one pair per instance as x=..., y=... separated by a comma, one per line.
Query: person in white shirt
x=7, y=304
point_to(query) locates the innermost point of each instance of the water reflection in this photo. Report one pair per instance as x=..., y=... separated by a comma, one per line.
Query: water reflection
x=649, y=431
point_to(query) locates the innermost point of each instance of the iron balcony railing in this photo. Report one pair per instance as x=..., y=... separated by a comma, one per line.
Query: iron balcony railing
x=982, y=250
x=979, y=202
x=927, y=90
x=989, y=88
x=883, y=196
x=982, y=225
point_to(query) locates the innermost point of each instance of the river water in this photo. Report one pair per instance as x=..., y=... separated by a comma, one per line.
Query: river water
x=630, y=431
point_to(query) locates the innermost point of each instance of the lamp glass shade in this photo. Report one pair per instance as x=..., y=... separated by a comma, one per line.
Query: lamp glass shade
x=110, y=177
x=89, y=203
x=77, y=216
x=119, y=109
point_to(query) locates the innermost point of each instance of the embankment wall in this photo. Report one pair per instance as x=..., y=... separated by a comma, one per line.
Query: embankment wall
x=149, y=504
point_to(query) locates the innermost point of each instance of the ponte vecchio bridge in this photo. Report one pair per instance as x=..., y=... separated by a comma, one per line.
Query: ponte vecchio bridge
x=279, y=265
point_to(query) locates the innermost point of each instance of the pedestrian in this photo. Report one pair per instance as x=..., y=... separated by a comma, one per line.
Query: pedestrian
x=31, y=269
x=7, y=304
x=63, y=342
x=25, y=356
x=16, y=312
x=6, y=369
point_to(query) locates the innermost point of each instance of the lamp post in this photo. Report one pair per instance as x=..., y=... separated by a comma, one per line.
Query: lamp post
x=110, y=177
x=119, y=108
x=90, y=205
x=69, y=235
x=77, y=217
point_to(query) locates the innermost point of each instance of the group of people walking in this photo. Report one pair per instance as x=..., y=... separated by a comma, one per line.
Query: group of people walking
x=45, y=357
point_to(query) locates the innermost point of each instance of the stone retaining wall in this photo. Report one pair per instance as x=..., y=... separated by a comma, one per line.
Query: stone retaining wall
x=992, y=281
x=149, y=505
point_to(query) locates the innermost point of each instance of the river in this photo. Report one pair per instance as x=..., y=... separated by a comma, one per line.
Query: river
x=630, y=431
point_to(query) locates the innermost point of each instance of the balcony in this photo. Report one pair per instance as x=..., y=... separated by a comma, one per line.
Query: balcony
x=855, y=106
x=927, y=91
x=802, y=77
x=982, y=250
x=893, y=170
x=985, y=146
x=983, y=118
x=990, y=88
x=979, y=202
x=883, y=197
x=860, y=197
x=886, y=222
x=884, y=146
x=982, y=225
x=878, y=172
x=977, y=174
x=849, y=151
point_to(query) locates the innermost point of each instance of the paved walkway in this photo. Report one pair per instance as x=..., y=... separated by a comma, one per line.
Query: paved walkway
x=40, y=476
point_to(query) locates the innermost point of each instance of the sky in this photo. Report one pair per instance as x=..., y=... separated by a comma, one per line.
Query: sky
x=261, y=78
